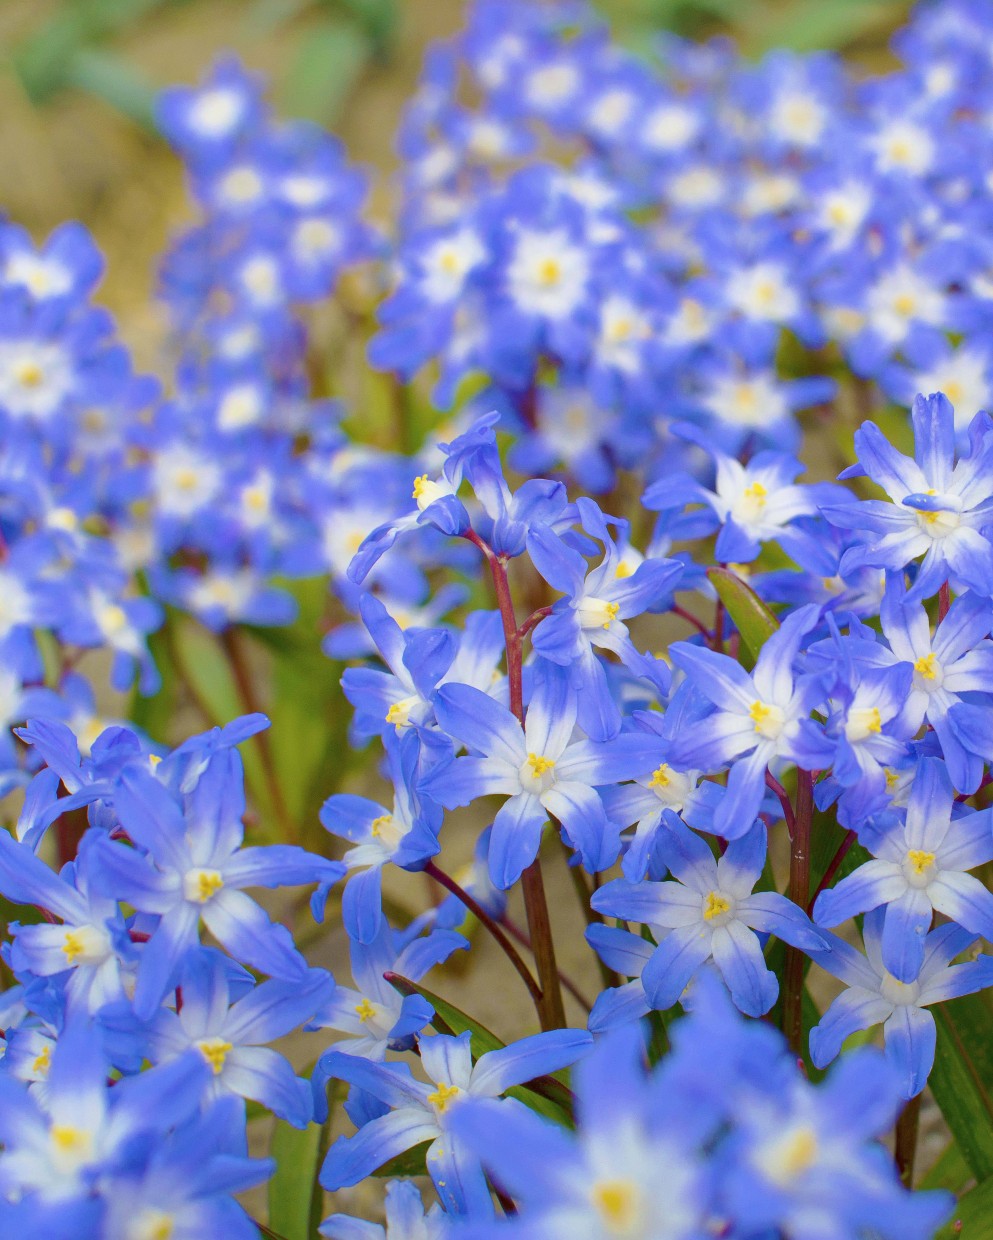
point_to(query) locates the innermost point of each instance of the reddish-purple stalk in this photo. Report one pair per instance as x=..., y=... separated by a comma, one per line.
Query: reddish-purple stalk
x=799, y=893
x=833, y=866
x=784, y=800
x=551, y=1011
x=944, y=602
x=474, y=907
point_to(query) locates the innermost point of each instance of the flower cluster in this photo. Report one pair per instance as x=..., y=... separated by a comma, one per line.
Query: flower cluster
x=748, y=709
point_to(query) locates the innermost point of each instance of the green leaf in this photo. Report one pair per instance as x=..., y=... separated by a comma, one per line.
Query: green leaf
x=328, y=63
x=973, y=1217
x=447, y=1017
x=108, y=77
x=308, y=739
x=753, y=620
x=298, y=1156
x=812, y=24
x=410, y=1162
x=201, y=660
x=962, y=1078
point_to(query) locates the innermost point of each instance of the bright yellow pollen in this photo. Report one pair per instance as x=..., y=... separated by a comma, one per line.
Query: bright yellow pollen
x=758, y=493
x=892, y=779
x=714, y=906
x=215, y=1051
x=954, y=391
x=616, y=1201
x=377, y=824
x=449, y=262
x=927, y=667
x=73, y=946
x=766, y=293
x=443, y=1096
x=549, y=271
x=539, y=764
x=920, y=861
x=610, y=611
x=759, y=713
x=420, y=482
x=905, y=305
x=364, y=1010
x=661, y=776
x=397, y=714
x=873, y=721
x=30, y=374
x=69, y=1140
x=42, y=1062
x=186, y=479
x=623, y=570
x=208, y=883
x=154, y=759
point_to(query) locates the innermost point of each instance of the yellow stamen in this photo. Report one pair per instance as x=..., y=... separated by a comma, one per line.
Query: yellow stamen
x=616, y=1201
x=715, y=905
x=364, y=1010
x=73, y=946
x=30, y=374
x=377, y=824
x=872, y=721
x=420, y=483
x=202, y=885
x=927, y=666
x=920, y=861
x=549, y=271
x=661, y=776
x=539, y=764
x=623, y=570
x=800, y=1153
x=42, y=1062
x=757, y=493
x=215, y=1051
x=443, y=1096
x=610, y=610
x=905, y=305
x=759, y=713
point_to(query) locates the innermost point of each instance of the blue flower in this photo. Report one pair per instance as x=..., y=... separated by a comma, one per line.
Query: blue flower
x=422, y=1112
x=750, y=720
x=939, y=506
x=874, y=996
x=920, y=868
x=540, y=768
x=711, y=913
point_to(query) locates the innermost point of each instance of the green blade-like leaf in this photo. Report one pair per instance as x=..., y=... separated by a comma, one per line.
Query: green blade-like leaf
x=812, y=24
x=753, y=620
x=108, y=77
x=308, y=739
x=298, y=1158
x=328, y=64
x=973, y=1217
x=206, y=673
x=448, y=1018
x=962, y=1078
x=410, y=1162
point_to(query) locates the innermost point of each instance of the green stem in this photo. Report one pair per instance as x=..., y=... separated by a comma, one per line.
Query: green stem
x=799, y=893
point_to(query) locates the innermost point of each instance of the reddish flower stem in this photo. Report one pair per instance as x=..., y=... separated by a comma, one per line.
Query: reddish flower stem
x=799, y=893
